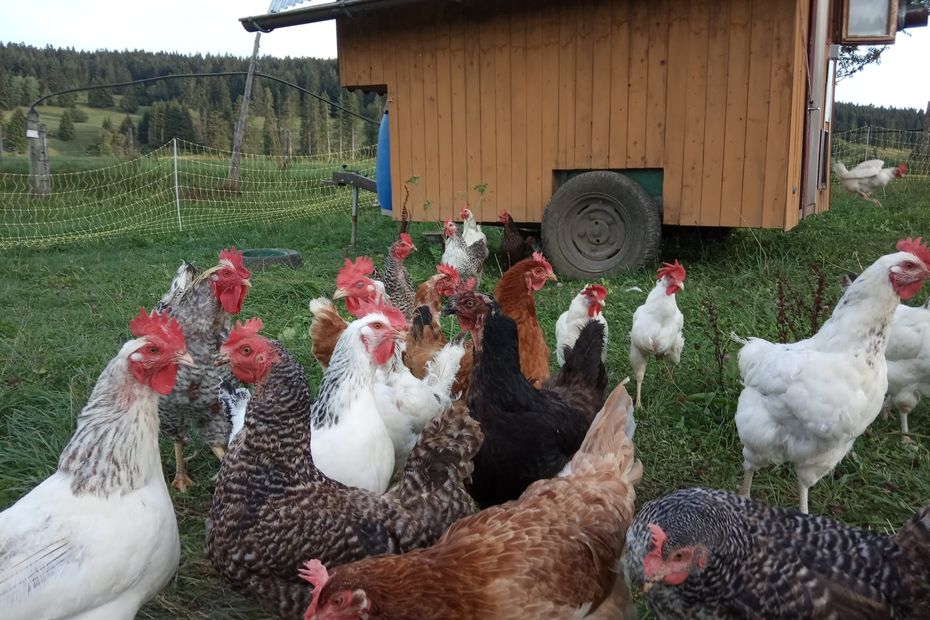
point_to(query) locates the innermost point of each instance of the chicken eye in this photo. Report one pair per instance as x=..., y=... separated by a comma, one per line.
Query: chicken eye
x=909, y=265
x=246, y=350
x=678, y=556
x=359, y=284
x=338, y=600
x=153, y=349
x=469, y=303
x=377, y=325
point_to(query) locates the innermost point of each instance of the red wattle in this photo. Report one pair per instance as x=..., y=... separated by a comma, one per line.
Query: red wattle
x=384, y=351
x=163, y=380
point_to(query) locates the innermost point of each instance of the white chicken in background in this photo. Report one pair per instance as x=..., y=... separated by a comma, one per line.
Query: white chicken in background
x=658, y=323
x=908, y=358
x=867, y=177
x=406, y=404
x=467, y=259
x=806, y=402
x=99, y=538
x=471, y=229
x=586, y=306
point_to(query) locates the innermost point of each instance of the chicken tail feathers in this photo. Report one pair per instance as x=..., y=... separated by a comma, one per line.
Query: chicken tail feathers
x=736, y=338
x=583, y=360
x=320, y=304
x=441, y=370
x=914, y=537
x=609, y=436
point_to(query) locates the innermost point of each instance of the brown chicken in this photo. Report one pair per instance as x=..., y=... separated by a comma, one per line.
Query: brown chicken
x=515, y=292
x=514, y=245
x=551, y=554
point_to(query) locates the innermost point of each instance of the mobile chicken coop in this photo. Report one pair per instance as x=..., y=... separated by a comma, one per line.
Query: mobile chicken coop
x=604, y=119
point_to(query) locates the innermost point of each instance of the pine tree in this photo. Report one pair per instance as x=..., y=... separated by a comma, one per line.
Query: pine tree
x=14, y=134
x=99, y=98
x=270, y=131
x=78, y=115
x=107, y=124
x=66, y=127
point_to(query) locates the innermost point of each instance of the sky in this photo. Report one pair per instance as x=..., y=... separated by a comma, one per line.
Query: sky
x=212, y=26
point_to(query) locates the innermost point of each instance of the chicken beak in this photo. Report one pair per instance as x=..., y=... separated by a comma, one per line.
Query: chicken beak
x=247, y=283
x=552, y=277
x=648, y=585
x=340, y=293
x=222, y=359
x=681, y=286
x=186, y=360
x=448, y=309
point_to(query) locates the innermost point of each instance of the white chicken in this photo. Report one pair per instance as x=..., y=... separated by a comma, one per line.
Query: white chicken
x=349, y=440
x=99, y=538
x=471, y=229
x=806, y=402
x=467, y=258
x=658, y=323
x=406, y=404
x=867, y=177
x=586, y=306
x=908, y=357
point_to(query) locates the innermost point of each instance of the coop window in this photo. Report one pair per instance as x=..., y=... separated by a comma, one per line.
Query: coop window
x=868, y=21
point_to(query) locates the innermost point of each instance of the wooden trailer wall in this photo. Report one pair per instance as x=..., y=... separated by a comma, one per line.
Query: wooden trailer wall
x=506, y=92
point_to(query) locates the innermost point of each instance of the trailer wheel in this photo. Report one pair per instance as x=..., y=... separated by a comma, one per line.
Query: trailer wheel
x=598, y=223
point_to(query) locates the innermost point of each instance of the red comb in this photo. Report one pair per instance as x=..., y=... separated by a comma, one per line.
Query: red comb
x=902, y=168
x=405, y=237
x=597, y=290
x=351, y=271
x=244, y=330
x=469, y=285
x=464, y=213
x=449, y=271
x=315, y=573
x=394, y=316
x=160, y=326
x=503, y=216
x=235, y=259
x=539, y=258
x=915, y=247
x=652, y=561
x=674, y=271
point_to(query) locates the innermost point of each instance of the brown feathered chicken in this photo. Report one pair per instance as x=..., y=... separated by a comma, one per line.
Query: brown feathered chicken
x=516, y=293
x=353, y=285
x=702, y=553
x=514, y=245
x=273, y=509
x=551, y=554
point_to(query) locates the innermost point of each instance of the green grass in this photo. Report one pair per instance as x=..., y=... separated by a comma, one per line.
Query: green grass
x=84, y=133
x=64, y=313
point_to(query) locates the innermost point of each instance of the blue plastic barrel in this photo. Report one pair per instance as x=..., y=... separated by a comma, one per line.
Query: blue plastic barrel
x=383, y=165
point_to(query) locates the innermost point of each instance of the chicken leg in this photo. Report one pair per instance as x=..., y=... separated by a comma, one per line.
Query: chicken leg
x=745, y=488
x=638, y=362
x=802, y=494
x=219, y=451
x=182, y=482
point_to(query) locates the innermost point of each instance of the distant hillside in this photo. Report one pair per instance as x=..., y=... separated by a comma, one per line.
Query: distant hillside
x=202, y=110
x=848, y=116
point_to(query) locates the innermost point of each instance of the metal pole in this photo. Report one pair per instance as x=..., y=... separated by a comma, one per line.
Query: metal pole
x=177, y=193
x=868, y=140
x=354, y=216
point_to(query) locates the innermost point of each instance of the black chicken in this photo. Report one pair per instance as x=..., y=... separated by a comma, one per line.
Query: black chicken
x=529, y=433
x=515, y=245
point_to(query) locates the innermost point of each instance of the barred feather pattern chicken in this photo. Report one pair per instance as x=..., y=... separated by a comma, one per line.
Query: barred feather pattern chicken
x=710, y=554
x=398, y=285
x=273, y=509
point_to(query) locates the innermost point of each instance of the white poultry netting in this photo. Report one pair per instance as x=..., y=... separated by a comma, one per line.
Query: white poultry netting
x=146, y=195
x=894, y=146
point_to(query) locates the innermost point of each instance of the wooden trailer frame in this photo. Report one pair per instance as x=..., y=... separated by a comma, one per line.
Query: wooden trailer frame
x=592, y=117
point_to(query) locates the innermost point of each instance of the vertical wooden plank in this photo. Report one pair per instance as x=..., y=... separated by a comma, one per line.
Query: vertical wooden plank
x=639, y=78
x=534, y=124
x=474, y=92
x=459, y=121
x=675, y=109
x=446, y=153
x=431, y=146
x=775, y=199
x=567, y=36
x=619, y=82
x=489, y=94
x=600, y=106
x=551, y=21
x=584, y=77
x=376, y=56
x=359, y=54
x=658, y=76
x=499, y=193
x=389, y=45
x=403, y=142
x=344, y=50
x=417, y=136
x=715, y=113
x=798, y=96
x=760, y=72
x=734, y=143
x=518, y=115
x=696, y=94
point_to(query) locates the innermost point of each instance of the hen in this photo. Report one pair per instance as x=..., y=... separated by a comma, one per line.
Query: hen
x=514, y=245
x=425, y=337
x=806, y=402
x=529, y=433
x=98, y=538
x=273, y=508
x=353, y=285
x=471, y=229
x=350, y=441
x=516, y=293
x=587, y=305
x=203, y=303
x=699, y=553
x=657, y=324
x=908, y=358
x=467, y=259
x=867, y=177
x=397, y=283
x=551, y=554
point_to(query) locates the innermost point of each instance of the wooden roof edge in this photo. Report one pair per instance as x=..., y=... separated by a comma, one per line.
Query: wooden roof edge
x=317, y=13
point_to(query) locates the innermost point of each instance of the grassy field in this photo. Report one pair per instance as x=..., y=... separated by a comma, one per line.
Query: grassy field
x=64, y=313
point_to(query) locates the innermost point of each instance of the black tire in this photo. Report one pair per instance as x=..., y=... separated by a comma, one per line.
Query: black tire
x=262, y=258
x=599, y=223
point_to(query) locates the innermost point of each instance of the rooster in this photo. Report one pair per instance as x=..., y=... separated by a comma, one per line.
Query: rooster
x=467, y=259
x=397, y=283
x=551, y=554
x=99, y=538
x=516, y=293
x=587, y=305
x=657, y=324
x=203, y=303
x=806, y=402
x=701, y=553
x=514, y=245
x=273, y=508
x=529, y=433
x=867, y=177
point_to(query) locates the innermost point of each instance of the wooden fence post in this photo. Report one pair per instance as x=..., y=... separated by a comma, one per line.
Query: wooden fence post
x=38, y=155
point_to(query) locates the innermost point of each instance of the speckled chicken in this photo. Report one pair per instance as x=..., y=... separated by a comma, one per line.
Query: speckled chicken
x=701, y=553
x=203, y=303
x=273, y=509
x=397, y=283
x=467, y=259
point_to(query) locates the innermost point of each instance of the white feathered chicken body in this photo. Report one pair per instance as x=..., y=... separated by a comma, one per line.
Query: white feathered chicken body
x=588, y=305
x=908, y=358
x=468, y=259
x=471, y=229
x=868, y=176
x=98, y=538
x=806, y=402
x=658, y=324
